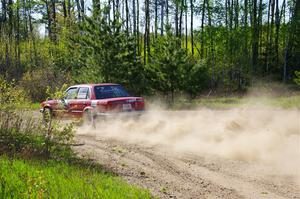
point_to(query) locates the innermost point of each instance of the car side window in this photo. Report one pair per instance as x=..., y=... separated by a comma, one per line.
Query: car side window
x=83, y=93
x=71, y=93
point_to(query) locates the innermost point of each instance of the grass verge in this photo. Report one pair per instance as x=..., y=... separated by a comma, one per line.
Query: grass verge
x=36, y=161
x=28, y=106
x=33, y=178
x=286, y=102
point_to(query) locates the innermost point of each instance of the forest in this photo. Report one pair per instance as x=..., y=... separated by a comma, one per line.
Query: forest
x=211, y=124
x=149, y=46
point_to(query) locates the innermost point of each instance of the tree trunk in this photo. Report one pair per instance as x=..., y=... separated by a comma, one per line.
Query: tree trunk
x=271, y=50
x=167, y=11
x=134, y=28
x=148, y=30
x=49, y=19
x=230, y=8
x=155, y=18
x=108, y=14
x=64, y=9
x=78, y=10
x=127, y=18
x=162, y=18
x=117, y=8
x=32, y=35
x=284, y=42
x=114, y=10
x=202, y=30
x=82, y=10
x=9, y=61
x=138, y=26
x=147, y=33
x=54, y=31
x=176, y=19
x=277, y=24
x=186, y=25
x=180, y=18
x=69, y=8
x=211, y=46
x=246, y=30
x=236, y=16
x=268, y=35
x=4, y=10
x=10, y=18
x=260, y=25
x=18, y=71
x=254, y=38
x=192, y=30
x=25, y=19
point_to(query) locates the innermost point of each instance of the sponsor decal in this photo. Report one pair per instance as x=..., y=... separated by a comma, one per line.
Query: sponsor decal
x=94, y=103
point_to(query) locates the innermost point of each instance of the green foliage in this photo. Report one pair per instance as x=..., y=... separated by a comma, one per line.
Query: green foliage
x=98, y=48
x=297, y=78
x=169, y=61
x=21, y=133
x=197, y=79
x=10, y=96
x=171, y=69
x=55, y=179
x=109, y=54
x=58, y=93
x=38, y=82
x=284, y=102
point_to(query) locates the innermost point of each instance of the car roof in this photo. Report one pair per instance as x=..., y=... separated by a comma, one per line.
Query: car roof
x=93, y=85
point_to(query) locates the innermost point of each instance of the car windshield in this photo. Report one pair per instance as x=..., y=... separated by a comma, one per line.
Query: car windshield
x=110, y=91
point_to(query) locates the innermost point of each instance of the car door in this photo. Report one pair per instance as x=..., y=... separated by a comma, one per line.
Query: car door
x=61, y=108
x=69, y=101
x=82, y=100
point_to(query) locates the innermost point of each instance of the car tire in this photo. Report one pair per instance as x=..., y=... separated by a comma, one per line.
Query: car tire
x=89, y=118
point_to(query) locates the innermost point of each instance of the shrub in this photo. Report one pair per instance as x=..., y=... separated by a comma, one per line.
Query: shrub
x=57, y=92
x=23, y=133
x=172, y=70
x=36, y=83
x=10, y=96
x=108, y=54
x=297, y=79
x=196, y=79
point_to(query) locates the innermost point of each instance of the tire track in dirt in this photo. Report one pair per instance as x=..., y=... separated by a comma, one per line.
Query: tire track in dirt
x=282, y=186
x=172, y=175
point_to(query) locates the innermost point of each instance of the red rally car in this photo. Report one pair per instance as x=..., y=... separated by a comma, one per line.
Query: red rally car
x=92, y=100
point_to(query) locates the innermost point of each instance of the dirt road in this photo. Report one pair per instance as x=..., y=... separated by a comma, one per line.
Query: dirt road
x=173, y=173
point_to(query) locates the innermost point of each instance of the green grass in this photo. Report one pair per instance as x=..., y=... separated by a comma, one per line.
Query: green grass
x=40, y=163
x=52, y=179
x=287, y=102
x=282, y=102
x=28, y=106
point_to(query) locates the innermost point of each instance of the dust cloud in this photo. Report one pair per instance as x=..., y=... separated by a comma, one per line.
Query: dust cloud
x=250, y=134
